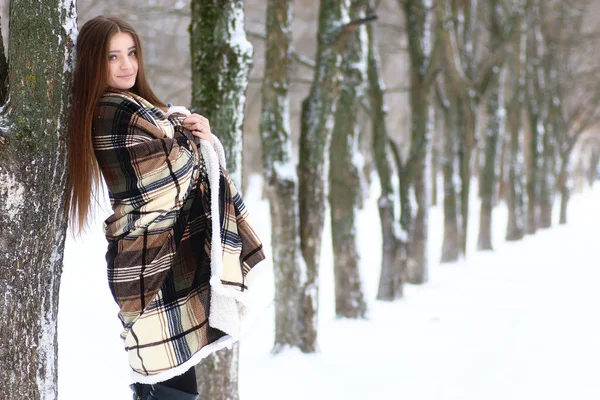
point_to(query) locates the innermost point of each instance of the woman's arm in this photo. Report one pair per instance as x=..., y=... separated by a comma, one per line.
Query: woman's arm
x=148, y=175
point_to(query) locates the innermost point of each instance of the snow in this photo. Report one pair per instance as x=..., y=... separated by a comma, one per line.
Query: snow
x=13, y=193
x=517, y=323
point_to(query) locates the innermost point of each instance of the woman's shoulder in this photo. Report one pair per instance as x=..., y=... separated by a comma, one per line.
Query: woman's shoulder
x=116, y=97
x=126, y=100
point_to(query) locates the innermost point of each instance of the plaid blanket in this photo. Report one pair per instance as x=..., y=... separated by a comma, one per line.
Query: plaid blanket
x=180, y=246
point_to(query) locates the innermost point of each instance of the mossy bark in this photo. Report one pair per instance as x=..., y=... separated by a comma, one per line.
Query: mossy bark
x=317, y=118
x=281, y=181
x=345, y=194
x=33, y=198
x=221, y=60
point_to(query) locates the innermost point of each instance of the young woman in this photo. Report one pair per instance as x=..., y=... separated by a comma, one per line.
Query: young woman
x=179, y=243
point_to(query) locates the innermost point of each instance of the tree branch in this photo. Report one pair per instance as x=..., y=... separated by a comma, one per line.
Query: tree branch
x=398, y=89
x=303, y=60
x=256, y=35
x=433, y=69
x=345, y=31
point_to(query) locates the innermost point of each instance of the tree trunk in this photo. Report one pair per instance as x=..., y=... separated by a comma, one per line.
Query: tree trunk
x=547, y=177
x=315, y=134
x=344, y=176
x=515, y=185
x=537, y=104
x=451, y=244
x=391, y=279
x=435, y=159
x=565, y=195
x=594, y=162
x=467, y=120
x=490, y=174
x=417, y=265
x=281, y=182
x=415, y=172
x=33, y=211
x=220, y=68
x=515, y=189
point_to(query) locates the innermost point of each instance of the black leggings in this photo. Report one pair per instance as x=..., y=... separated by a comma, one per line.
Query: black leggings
x=185, y=382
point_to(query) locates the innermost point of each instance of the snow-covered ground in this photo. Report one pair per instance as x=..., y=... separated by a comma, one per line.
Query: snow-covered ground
x=521, y=322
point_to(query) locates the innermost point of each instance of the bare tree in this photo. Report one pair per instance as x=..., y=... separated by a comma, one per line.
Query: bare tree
x=345, y=193
x=318, y=110
x=451, y=244
x=471, y=71
x=515, y=186
x=414, y=171
x=221, y=61
x=500, y=28
x=33, y=198
x=392, y=263
x=281, y=182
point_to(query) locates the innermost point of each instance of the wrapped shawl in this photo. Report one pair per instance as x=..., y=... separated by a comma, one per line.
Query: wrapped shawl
x=180, y=246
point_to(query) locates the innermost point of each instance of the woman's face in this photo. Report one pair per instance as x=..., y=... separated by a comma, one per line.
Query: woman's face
x=122, y=61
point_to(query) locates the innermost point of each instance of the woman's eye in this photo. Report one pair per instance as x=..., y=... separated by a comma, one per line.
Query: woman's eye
x=133, y=53
x=112, y=57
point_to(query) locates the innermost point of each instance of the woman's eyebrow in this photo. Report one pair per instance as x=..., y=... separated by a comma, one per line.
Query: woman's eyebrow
x=118, y=51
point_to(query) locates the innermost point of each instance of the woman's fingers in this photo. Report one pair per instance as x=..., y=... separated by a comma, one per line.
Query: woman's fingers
x=195, y=125
x=203, y=135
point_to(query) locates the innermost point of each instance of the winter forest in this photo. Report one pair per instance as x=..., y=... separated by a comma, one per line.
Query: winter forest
x=423, y=175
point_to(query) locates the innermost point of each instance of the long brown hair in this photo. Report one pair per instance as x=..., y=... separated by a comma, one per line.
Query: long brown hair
x=89, y=84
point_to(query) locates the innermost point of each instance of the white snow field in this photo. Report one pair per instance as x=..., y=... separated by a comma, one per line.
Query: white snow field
x=521, y=322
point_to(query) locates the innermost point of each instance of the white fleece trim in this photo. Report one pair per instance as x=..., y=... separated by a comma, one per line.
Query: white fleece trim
x=177, y=109
x=225, y=341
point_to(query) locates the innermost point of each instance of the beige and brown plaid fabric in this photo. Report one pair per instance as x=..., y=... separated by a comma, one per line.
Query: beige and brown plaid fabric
x=179, y=294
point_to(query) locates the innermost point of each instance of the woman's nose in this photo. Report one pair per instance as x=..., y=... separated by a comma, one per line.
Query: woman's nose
x=126, y=63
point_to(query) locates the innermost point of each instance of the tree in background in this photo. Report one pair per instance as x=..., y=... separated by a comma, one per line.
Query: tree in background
x=413, y=176
x=393, y=250
x=281, y=181
x=344, y=174
x=500, y=28
x=473, y=54
x=33, y=201
x=221, y=60
x=318, y=110
x=451, y=245
x=515, y=196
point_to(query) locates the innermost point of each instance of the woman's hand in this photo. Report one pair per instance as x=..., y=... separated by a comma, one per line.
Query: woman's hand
x=199, y=126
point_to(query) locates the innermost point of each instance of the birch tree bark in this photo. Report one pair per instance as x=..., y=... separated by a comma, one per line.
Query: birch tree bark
x=281, y=182
x=221, y=60
x=33, y=201
x=344, y=174
x=392, y=275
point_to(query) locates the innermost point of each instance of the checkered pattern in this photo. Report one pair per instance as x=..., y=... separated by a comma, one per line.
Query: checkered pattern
x=165, y=269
